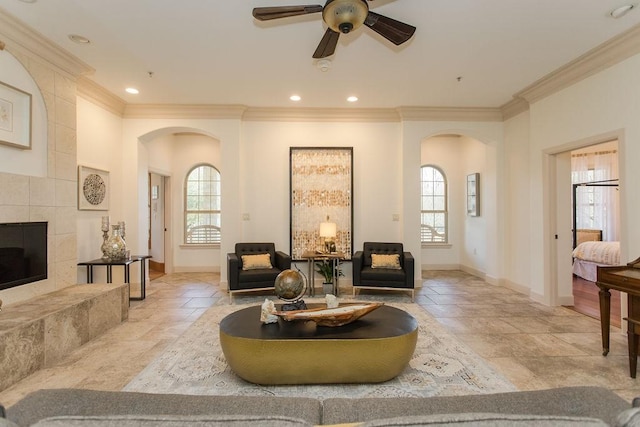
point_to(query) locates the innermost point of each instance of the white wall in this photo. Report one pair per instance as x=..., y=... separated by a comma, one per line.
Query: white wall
x=99, y=141
x=599, y=108
x=377, y=178
x=445, y=152
x=189, y=150
x=474, y=250
x=475, y=243
x=517, y=234
x=141, y=134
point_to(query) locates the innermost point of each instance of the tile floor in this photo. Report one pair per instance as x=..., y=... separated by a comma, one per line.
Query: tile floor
x=534, y=346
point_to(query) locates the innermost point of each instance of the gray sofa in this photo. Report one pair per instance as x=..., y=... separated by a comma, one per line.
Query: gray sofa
x=570, y=406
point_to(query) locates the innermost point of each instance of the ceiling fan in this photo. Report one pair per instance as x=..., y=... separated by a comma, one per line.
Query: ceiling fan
x=341, y=16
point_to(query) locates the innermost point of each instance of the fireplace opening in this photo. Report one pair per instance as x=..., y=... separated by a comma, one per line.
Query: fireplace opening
x=23, y=253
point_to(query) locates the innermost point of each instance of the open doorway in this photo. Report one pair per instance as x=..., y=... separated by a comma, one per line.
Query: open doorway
x=157, y=225
x=595, y=224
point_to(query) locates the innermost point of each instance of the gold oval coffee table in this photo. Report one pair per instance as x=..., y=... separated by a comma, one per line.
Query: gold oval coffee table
x=373, y=349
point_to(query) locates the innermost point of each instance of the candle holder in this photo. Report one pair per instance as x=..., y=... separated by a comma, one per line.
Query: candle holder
x=105, y=236
x=122, y=230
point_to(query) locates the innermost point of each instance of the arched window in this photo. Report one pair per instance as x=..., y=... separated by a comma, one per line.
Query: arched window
x=433, y=210
x=202, y=205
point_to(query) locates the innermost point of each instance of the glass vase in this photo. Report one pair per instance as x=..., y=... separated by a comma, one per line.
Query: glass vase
x=115, y=248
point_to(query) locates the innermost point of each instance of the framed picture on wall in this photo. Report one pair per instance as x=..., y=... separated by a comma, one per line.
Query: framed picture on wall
x=15, y=117
x=93, y=189
x=473, y=194
x=321, y=181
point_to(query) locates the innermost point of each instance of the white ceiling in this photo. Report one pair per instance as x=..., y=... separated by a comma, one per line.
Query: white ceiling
x=214, y=52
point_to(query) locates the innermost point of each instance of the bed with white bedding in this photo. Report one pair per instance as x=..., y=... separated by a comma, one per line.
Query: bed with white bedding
x=587, y=256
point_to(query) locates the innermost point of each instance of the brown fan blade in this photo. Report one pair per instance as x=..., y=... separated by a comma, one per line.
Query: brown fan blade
x=327, y=45
x=395, y=31
x=268, y=13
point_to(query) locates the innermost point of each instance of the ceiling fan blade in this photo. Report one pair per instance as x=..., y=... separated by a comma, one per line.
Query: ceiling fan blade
x=327, y=45
x=268, y=13
x=395, y=31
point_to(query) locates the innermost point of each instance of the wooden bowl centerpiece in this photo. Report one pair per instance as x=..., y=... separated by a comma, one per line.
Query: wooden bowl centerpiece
x=338, y=316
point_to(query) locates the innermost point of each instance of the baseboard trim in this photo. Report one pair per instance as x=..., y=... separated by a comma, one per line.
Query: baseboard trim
x=207, y=269
x=566, y=300
x=472, y=271
x=517, y=287
x=427, y=267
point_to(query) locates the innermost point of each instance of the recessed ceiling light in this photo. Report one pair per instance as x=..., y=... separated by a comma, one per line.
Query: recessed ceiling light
x=619, y=12
x=295, y=98
x=132, y=90
x=77, y=38
x=28, y=1
x=352, y=98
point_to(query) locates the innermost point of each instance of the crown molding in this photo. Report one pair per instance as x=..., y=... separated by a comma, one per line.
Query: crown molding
x=98, y=95
x=183, y=111
x=514, y=107
x=603, y=56
x=19, y=36
x=454, y=114
x=321, y=114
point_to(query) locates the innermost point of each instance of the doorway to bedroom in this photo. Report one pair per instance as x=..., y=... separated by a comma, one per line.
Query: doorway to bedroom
x=595, y=224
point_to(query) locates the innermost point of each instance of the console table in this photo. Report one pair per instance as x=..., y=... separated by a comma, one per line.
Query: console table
x=334, y=258
x=624, y=279
x=126, y=263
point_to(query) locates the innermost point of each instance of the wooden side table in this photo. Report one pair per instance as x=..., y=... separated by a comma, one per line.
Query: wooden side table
x=624, y=279
x=334, y=258
x=127, y=277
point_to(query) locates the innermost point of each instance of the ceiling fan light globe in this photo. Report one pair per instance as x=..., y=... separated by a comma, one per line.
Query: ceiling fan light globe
x=344, y=16
x=345, y=27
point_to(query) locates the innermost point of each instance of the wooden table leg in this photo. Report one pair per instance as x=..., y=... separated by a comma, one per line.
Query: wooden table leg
x=312, y=281
x=632, y=339
x=605, y=312
x=633, y=329
x=143, y=278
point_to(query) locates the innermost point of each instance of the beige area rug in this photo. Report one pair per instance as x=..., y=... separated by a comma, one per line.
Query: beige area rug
x=441, y=366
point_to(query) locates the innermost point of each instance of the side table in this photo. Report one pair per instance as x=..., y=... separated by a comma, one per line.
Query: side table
x=334, y=258
x=124, y=262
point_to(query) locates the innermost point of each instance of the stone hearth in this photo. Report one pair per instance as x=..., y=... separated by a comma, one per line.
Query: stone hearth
x=39, y=332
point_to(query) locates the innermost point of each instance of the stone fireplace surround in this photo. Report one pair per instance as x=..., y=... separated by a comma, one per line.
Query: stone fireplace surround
x=51, y=198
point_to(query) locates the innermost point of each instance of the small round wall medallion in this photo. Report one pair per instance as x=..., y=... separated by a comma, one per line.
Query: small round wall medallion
x=94, y=189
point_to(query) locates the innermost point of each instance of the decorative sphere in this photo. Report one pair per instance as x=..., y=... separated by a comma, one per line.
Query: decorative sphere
x=290, y=285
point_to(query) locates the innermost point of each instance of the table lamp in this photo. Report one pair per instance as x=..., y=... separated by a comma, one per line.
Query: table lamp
x=328, y=231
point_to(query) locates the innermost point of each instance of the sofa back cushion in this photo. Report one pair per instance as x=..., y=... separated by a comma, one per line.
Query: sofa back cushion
x=486, y=420
x=48, y=403
x=172, y=421
x=381, y=248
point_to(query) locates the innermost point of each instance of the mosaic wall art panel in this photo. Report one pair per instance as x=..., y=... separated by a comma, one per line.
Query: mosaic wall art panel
x=321, y=187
